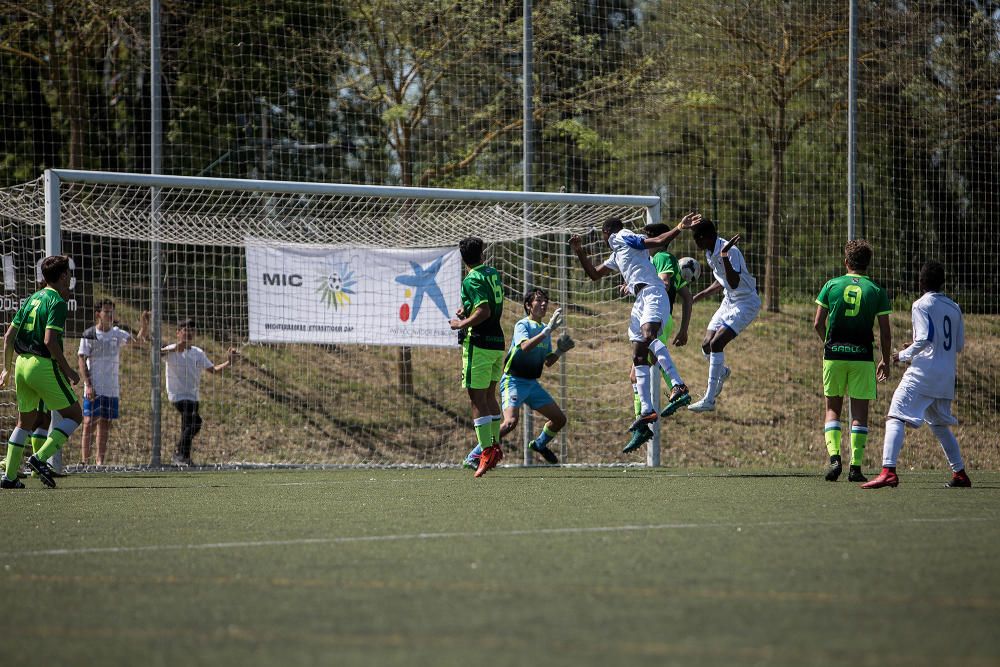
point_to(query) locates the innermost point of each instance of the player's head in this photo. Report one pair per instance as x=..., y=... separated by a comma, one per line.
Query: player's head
x=104, y=310
x=186, y=329
x=705, y=234
x=471, y=249
x=56, y=269
x=857, y=255
x=535, y=299
x=611, y=226
x=655, y=229
x=931, y=276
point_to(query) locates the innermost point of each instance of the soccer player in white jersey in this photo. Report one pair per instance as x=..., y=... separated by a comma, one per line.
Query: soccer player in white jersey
x=925, y=392
x=739, y=307
x=630, y=257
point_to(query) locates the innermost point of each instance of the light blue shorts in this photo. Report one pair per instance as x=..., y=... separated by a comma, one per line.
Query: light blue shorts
x=515, y=392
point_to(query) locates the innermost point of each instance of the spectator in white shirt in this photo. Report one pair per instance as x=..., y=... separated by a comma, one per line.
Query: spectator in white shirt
x=185, y=363
x=99, y=359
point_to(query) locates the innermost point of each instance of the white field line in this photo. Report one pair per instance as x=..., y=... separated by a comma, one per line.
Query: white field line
x=456, y=535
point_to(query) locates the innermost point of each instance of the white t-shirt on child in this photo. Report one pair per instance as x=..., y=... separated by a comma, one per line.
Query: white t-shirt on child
x=184, y=371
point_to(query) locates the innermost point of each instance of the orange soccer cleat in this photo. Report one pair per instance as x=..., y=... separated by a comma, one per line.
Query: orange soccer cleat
x=490, y=458
x=885, y=478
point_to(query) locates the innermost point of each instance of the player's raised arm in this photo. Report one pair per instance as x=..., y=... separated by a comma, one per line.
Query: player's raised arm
x=594, y=273
x=665, y=239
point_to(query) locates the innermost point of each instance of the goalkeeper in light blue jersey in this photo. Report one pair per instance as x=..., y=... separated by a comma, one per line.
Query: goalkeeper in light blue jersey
x=530, y=352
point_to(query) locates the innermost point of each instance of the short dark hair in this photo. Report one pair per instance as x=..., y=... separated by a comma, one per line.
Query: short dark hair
x=931, y=276
x=858, y=254
x=529, y=296
x=704, y=229
x=655, y=228
x=54, y=267
x=471, y=249
x=186, y=323
x=104, y=302
x=612, y=225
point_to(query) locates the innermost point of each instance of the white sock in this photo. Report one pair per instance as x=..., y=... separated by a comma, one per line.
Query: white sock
x=895, y=431
x=949, y=443
x=716, y=361
x=644, y=387
x=663, y=358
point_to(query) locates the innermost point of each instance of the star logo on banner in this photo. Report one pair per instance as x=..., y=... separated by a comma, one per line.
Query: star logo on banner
x=424, y=283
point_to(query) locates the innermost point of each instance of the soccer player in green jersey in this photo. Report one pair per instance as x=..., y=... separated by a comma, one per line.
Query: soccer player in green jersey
x=669, y=271
x=41, y=373
x=482, y=348
x=847, y=309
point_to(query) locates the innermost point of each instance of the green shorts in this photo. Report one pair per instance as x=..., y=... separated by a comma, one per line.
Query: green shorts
x=480, y=367
x=855, y=378
x=668, y=328
x=39, y=379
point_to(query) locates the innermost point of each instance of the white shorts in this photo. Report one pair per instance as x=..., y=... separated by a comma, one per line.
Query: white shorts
x=735, y=316
x=651, y=305
x=913, y=408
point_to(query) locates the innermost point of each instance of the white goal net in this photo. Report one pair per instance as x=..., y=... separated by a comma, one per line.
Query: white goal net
x=315, y=285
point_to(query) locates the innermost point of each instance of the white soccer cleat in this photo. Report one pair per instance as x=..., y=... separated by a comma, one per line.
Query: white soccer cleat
x=726, y=372
x=702, y=406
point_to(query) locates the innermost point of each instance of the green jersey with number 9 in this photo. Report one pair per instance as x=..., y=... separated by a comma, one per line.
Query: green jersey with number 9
x=45, y=309
x=482, y=285
x=853, y=303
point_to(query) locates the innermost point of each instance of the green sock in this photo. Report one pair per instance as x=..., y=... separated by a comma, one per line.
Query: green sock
x=496, y=429
x=484, y=434
x=53, y=444
x=636, y=403
x=37, y=441
x=832, y=434
x=14, y=452
x=859, y=438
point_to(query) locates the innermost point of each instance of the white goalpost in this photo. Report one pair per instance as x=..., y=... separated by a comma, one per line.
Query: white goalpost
x=328, y=292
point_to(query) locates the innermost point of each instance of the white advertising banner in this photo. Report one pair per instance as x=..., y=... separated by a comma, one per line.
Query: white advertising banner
x=310, y=294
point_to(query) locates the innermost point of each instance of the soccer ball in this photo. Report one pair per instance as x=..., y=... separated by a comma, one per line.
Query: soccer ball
x=334, y=282
x=690, y=269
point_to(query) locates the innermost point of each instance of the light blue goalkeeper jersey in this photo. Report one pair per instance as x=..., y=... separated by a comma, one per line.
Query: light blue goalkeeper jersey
x=528, y=364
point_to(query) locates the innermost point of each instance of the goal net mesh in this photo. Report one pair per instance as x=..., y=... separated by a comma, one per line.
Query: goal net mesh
x=329, y=403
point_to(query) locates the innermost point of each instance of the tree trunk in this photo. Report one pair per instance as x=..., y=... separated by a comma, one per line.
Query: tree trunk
x=773, y=257
x=404, y=360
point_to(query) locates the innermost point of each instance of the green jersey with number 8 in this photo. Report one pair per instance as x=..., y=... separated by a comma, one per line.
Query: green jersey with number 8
x=45, y=309
x=482, y=285
x=853, y=303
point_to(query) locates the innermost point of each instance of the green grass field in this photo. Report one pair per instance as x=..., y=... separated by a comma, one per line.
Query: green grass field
x=527, y=566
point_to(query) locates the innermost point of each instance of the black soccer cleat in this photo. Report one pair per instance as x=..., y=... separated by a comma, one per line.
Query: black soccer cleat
x=546, y=453
x=43, y=471
x=834, y=469
x=855, y=475
x=10, y=484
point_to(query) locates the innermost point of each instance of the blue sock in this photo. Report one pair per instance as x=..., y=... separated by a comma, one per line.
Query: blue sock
x=545, y=437
x=476, y=452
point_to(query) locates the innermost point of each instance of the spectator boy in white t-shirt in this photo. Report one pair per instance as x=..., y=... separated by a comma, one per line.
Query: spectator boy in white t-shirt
x=99, y=359
x=185, y=363
x=925, y=392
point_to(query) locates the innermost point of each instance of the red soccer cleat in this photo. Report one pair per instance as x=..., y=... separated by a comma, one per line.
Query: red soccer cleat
x=959, y=480
x=885, y=478
x=490, y=458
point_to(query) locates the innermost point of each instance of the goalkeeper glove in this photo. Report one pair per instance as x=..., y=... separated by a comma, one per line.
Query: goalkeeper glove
x=555, y=321
x=564, y=345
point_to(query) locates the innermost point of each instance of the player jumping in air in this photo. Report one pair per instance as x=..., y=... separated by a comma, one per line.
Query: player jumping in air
x=630, y=256
x=847, y=309
x=669, y=271
x=925, y=392
x=739, y=307
x=530, y=352
x=482, y=348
